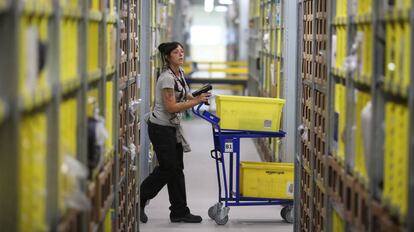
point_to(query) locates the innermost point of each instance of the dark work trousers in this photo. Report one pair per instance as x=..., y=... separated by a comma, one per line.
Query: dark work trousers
x=169, y=171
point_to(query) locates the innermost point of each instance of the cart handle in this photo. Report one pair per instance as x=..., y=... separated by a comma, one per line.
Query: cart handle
x=213, y=154
x=209, y=117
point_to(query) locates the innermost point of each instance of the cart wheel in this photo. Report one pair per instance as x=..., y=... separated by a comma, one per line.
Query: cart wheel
x=222, y=216
x=214, y=210
x=287, y=214
x=283, y=213
x=222, y=221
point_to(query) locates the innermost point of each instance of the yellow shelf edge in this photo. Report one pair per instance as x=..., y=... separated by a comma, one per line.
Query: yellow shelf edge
x=111, y=18
x=95, y=15
x=363, y=81
x=363, y=18
x=30, y=102
x=396, y=91
x=339, y=73
x=109, y=153
x=75, y=13
x=397, y=14
x=340, y=21
x=94, y=75
x=110, y=70
x=70, y=85
x=41, y=10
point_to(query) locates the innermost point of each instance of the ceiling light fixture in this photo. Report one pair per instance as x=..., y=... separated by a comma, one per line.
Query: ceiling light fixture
x=220, y=8
x=208, y=5
x=226, y=2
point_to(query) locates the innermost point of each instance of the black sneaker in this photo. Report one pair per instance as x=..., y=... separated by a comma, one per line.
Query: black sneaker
x=142, y=216
x=190, y=218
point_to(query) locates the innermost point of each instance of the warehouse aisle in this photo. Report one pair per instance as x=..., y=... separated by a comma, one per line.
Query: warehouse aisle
x=201, y=184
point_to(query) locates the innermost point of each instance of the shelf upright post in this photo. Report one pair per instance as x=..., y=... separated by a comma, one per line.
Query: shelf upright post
x=410, y=214
x=53, y=61
x=9, y=128
x=145, y=33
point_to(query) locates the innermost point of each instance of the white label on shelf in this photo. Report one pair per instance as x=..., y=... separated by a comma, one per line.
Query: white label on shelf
x=31, y=58
x=354, y=6
x=228, y=146
x=266, y=41
x=360, y=49
x=333, y=54
x=272, y=73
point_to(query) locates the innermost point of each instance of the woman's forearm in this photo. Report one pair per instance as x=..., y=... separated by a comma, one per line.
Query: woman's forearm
x=182, y=106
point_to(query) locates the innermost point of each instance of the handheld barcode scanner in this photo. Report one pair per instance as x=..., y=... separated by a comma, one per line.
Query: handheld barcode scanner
x=203, y=89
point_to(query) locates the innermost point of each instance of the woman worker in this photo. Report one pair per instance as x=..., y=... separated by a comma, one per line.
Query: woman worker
x=172, y=96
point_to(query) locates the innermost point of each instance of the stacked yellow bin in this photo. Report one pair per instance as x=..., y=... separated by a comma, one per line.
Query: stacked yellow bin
x=93, y=47
x=360, y=166
x=94, y=5
x=95, y=18
x=339, y=43
x=69, y=47
x=397, y=118
x=340, y=111
x=396, y=158
x=33, y=82
x=109, y=115
x=365, y=54
x=108, y=221
x=33, y=90
x=38, y=6
x=110, y=47
x=397, y=70
x=32, y=173
x=341, y=46
x=67, y=147
x=338, y=224
x=68, y=108
x=365, y=45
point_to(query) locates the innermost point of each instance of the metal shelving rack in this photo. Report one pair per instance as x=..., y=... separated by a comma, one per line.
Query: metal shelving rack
x=266, y=62
x=358, y=193
x=297, y=155
x=91, y=56
x=128, y=180
x=48, y=102
x=158, y=27
x=254, y=46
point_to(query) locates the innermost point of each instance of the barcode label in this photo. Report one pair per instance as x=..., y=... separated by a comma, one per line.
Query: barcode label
x=289, y=189
x=267, y=123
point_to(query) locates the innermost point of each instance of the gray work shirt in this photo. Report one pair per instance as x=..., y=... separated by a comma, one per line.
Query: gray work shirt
x=160, y=115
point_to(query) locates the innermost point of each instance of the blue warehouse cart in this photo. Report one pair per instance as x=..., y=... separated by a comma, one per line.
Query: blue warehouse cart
x=228, y=142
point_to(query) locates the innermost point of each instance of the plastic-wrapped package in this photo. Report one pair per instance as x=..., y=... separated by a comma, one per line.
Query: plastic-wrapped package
x=75, y=171
x=366, y=119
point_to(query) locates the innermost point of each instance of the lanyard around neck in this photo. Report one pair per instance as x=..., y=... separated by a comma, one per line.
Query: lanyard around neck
x=179, y=77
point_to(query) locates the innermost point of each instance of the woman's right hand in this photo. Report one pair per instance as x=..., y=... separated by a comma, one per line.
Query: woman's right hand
x=203, y=97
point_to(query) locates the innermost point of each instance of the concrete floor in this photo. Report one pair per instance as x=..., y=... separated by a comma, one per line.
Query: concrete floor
x=202, y=190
